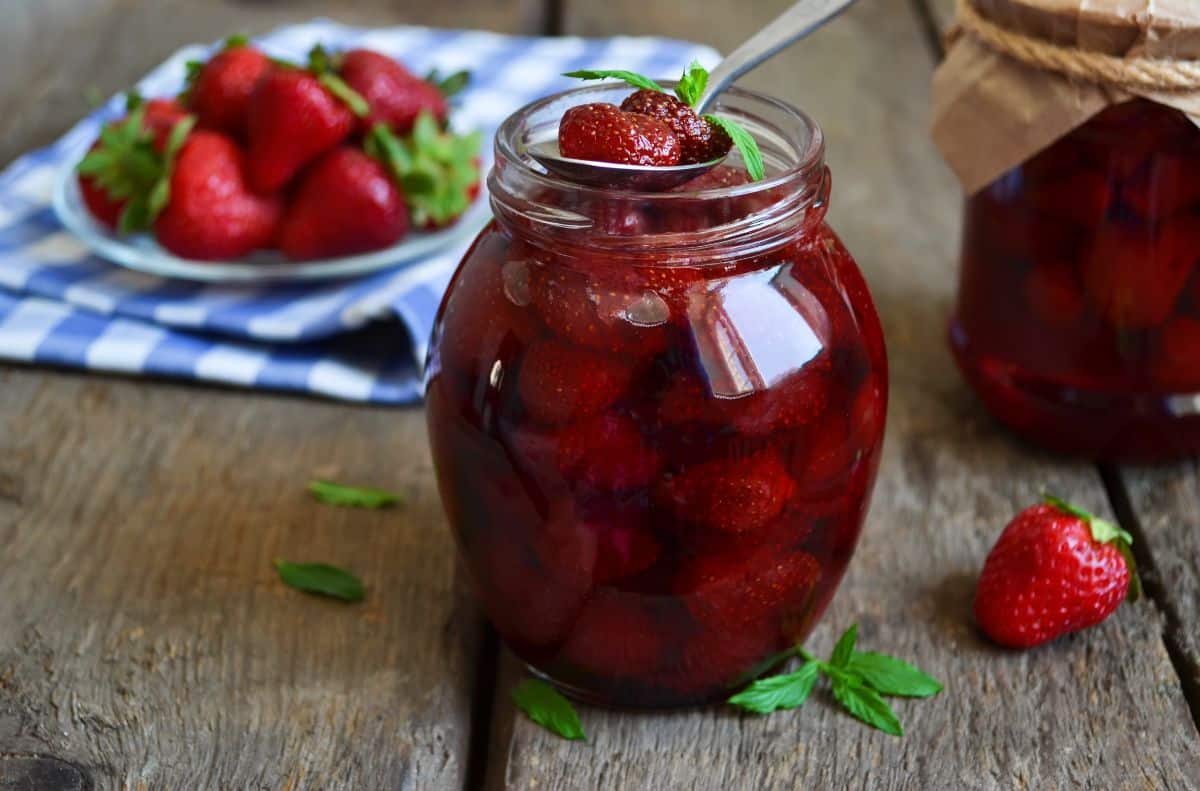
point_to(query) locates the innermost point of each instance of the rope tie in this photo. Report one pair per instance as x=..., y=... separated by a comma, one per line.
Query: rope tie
x=1135, y=74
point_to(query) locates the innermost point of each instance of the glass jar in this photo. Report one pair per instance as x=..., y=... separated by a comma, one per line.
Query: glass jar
x=656, y=417
x=1078, y=318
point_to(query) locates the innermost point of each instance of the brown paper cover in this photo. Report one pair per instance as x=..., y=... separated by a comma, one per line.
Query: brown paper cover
x=992, y=112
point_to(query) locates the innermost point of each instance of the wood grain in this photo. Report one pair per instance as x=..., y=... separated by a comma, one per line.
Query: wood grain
x=144, y=637
x=59, y=56
x=1081, y=712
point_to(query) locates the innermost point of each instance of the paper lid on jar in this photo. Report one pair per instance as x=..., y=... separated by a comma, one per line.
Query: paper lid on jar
x=1020, y=74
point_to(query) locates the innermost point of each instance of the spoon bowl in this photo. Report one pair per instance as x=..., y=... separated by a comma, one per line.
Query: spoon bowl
x=611, y=175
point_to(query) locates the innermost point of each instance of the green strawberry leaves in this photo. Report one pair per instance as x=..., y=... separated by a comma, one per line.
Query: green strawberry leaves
x=546, y=706
x=630, y=77
x=342, y=496
x=321, y=579
x=324, y=66
x=449, y=86
x=128, y=166
x=689, y=89
x=858, y=682
x=437, y=169
x=1105, y=532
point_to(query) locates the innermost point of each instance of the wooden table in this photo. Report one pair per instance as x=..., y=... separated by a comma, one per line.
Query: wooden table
x=145, y=642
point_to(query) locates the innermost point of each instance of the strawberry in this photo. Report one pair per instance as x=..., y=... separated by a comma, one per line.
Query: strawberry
x=1134, y=274
x=1082, y=197
x=1176, y=364
x=600, y=548
x=624, y=548
x=211, y=213
x=699, y=140
x=345, y=203
x=1055, y=569
x=438, y=169
x=720, y=177
x=295, y=116
x=220, y=90
x=604, y=133
x=733, y=496
x=395, y=95
x=607, y=452
x=1054, y=294
x=616, y=633
x=597, y=313
x=559, y=384
x=1164, y=185
x=124, y=179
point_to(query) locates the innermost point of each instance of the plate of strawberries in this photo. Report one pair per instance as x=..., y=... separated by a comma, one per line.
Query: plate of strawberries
x=264, y=170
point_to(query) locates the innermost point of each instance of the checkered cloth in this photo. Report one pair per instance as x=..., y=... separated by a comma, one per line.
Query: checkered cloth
x=361, y=339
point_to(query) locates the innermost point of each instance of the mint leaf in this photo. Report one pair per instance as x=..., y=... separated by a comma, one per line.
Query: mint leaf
x=866, y=705
x=332, y=493
x=321, y=579
x=633, y=78
x=787, y=691
x=844, y=648
x=691, y=85
x=745, y=143
x=889, y=676
x=544, y=705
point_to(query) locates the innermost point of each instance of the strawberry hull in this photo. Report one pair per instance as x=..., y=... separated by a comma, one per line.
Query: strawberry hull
x=1078, y=293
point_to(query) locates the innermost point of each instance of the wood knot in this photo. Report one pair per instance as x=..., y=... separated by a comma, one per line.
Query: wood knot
x=19, y=771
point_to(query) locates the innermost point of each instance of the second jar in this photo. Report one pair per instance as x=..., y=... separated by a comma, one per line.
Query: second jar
x=656, y=418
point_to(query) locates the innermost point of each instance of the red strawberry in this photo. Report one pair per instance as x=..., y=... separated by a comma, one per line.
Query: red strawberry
x=623, y=548
x=1176, y=365
x=211, y=213
x=395, y=95
x=1163, y=186
x=1055, y=569
x=1082, y=197
x=608, y=452
x=559, y=384
x=345, y=203
x=699, y=140
x=733, y=496
x=293, y=119
x=616, y=633
x=600, y=548
x=599, y=313
x=128, y=160
x=220, y=90
x=1134, y=275
x=603, y=133
x=1054, y=294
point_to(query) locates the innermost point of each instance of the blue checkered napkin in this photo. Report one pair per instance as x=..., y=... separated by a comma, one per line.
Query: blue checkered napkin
x=359, y=339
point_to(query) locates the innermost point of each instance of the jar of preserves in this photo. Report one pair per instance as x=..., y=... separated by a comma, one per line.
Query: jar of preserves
x=1078, y=314
x=656, y=417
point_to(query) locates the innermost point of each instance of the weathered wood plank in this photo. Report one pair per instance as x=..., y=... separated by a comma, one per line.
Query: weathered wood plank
x=950, y=480
x=143, y=633
x=144, y=637
x=59, y=55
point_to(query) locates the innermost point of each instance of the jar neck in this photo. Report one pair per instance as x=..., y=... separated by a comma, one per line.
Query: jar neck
x=694, y=227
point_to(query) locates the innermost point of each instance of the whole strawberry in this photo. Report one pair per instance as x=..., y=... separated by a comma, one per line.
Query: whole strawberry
x=346, y=203
x=700, y=140
x=395, y=95
x=605, y=133
x=211, y=213
x=220, y=90
x=295, y=116
x=1055, y=569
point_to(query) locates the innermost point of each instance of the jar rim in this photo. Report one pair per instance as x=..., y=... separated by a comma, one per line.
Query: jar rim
x=809, y=153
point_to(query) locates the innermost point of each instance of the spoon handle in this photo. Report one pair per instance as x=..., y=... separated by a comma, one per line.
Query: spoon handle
x=791, y=26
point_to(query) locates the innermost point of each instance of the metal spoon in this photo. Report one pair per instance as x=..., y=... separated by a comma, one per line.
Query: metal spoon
x=792, y=25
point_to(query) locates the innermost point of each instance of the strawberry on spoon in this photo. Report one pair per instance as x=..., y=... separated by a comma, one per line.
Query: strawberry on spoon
x=1055, y=569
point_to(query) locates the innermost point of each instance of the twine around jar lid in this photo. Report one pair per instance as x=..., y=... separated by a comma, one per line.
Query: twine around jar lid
x=1129, y=72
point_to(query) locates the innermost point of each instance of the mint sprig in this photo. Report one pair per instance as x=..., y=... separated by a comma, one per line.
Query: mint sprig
x=547, y=707
x=1105, y=532
x=321, y=579
x=858, y=682
x=688, y=90
x=343, y=496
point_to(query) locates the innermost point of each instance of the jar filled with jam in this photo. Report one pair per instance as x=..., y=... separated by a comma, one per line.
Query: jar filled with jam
x=1078, y=314
x=656, y=417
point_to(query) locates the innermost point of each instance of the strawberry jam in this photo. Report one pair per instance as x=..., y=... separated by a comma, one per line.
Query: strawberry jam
x=1079, y=302
x=656, y=417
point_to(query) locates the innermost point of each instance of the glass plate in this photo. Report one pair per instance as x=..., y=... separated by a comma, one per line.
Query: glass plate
x=143, y=253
